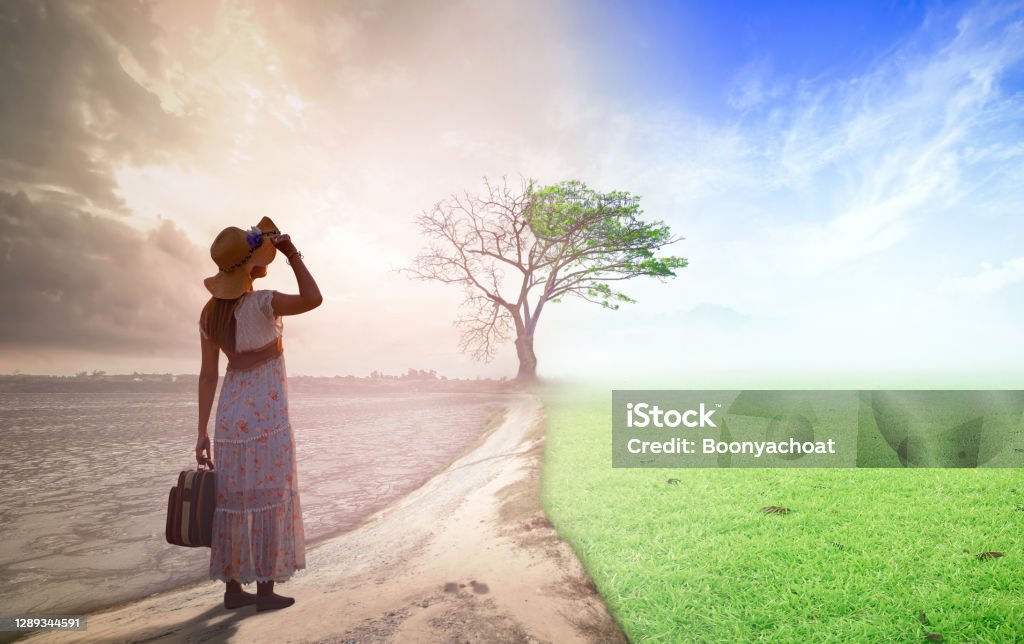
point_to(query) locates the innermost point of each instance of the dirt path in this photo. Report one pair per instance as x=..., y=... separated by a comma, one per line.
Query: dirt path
x=468, y=557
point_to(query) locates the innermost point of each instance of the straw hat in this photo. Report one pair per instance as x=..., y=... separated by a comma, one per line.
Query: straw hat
x=236, y=251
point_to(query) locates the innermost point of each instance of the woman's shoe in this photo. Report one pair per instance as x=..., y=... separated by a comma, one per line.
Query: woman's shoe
x=272, y=602
x=238, y=600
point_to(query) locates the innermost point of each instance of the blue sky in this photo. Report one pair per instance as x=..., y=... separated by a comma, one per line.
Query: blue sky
x=846, y=177
x=850, y=178
x=686, y=52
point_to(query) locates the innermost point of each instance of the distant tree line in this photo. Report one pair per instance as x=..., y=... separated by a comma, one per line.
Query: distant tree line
x=98, y=381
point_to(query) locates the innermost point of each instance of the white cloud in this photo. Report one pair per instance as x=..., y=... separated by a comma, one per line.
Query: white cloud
x=993, y=278
x=754, y=85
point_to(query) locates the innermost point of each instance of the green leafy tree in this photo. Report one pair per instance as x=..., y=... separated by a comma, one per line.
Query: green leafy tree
x=515, y=250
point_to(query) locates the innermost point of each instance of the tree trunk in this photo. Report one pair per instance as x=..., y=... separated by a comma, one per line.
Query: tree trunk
x=527, y=358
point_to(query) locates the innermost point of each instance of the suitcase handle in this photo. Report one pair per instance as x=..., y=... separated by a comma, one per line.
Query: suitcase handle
x=206, y=464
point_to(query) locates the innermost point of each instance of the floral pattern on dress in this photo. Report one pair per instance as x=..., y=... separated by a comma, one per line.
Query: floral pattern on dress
x=258, y=533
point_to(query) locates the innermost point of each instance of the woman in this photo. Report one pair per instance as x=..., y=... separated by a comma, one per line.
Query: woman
x=257, y=529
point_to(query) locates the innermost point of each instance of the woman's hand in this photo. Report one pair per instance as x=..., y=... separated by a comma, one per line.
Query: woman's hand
x=284, y=244
x=203, y=444
x=309, y=295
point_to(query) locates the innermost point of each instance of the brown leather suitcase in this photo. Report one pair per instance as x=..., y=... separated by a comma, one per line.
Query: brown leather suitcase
x=190, y=507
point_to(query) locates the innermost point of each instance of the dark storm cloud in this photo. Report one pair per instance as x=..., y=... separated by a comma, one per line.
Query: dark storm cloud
x=78, y=281
x=68, y=109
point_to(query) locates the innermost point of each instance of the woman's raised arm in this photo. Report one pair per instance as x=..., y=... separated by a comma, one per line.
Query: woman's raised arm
x=309, y=293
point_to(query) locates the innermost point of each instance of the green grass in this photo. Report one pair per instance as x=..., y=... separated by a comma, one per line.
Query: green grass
x=860, y=555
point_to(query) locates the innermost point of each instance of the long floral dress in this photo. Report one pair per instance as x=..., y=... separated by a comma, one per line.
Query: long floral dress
x=257, y=527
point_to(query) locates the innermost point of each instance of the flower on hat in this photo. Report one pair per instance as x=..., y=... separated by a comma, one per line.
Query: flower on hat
x=254, y=237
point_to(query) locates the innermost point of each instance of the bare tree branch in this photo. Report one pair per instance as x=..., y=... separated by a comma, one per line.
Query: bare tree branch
x=561, y=240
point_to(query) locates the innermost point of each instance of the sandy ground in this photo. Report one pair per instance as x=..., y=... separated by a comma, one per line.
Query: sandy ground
x=468, y=557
